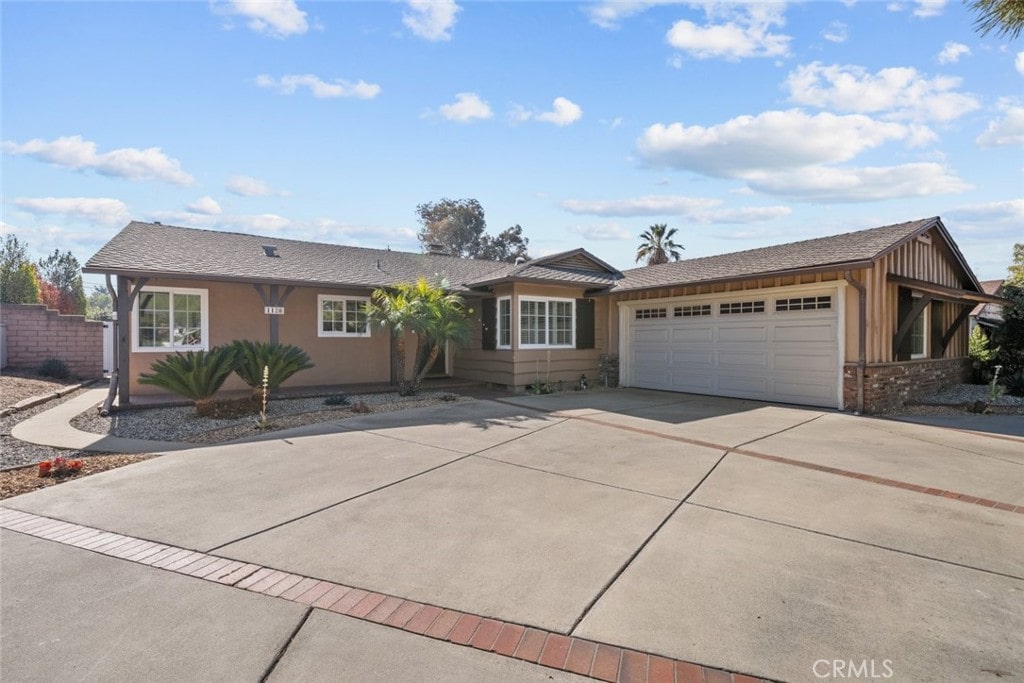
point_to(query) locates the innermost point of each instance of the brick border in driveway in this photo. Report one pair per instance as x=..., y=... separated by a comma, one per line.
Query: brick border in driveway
x=600, y=661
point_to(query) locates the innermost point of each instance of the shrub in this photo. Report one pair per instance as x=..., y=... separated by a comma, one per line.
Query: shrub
x=336, y=400
x=60, y=467
x=361, y=407
x=281, y=360
x=195, y=375
x=1015, y=384
x=55, y=368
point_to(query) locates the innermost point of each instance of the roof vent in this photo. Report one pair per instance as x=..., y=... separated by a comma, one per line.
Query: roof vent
x=270, y=250
x=157, y=223
x=437, y=249
x=520, y=260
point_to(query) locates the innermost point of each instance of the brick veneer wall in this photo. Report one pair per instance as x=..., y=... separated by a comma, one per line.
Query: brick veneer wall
x=35, y=333
x=891, y=385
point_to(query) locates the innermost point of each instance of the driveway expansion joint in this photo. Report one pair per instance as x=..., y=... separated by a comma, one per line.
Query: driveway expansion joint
x=564, y=652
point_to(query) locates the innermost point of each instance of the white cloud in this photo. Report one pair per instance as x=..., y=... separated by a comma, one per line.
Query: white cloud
x=246, y=186
x=694, y=209
x=605, y=232
x=1019, y=63
x=899, y=93
x=836, y=32
x=744, y=31
x=653, y=205
x=93, y=209
x=431, y=19
x=276, y=18
x=866, y=184
x=76, y=153
x=563, y=112
x=467, y=107
x=770, y=140
x=929, y=8
x=610, y=13
x=288, y=85
x=992, y=219
x=952, y=52
x=1005, y=131
x=207, y=206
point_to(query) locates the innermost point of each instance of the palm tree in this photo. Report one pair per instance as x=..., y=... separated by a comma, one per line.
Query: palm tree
x=1005, y=17
x=434, y=316
x=657, y=246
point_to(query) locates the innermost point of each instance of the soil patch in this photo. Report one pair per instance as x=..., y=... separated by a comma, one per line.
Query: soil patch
x=20, y=480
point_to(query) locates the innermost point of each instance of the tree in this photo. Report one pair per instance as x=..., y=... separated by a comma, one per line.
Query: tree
x=99, y=305
x=458, y=226
x=454, y=224
x=657, y=245
x=19, y=280
x=1005, y=17
x=1009, y=336
x=64, y=273
x=508, y=246
x=434, y=316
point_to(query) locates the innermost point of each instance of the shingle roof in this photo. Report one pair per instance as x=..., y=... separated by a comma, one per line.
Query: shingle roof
x=848, y=248
x=155, y=249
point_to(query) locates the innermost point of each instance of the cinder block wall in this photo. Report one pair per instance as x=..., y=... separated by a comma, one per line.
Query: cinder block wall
x=35, y=333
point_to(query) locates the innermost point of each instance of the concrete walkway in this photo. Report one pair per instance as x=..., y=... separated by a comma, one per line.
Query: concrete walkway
x=53, y=428
x=631, y=532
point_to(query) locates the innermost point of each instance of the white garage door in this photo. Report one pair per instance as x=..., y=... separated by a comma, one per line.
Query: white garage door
x=780, y=346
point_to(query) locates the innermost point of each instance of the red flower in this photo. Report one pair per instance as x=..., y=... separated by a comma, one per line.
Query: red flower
x=44, y=468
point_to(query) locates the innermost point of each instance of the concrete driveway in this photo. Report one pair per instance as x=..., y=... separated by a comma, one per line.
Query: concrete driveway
x=659, y=530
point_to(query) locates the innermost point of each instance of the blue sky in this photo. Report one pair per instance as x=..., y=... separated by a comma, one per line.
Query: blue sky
x=739, y=124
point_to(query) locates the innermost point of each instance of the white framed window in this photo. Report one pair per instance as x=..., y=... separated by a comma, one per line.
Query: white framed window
x=504, y=328
x=547, y=323
x=919, y=333
x=171, y=319
x=341, y=316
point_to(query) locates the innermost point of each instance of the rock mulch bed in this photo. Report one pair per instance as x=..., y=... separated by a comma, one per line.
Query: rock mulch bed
x=15, y=453
x=18, y=385
x=956, y=399
x=182, y=423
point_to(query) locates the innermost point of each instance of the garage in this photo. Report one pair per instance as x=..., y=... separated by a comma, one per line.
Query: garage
x=781, y=345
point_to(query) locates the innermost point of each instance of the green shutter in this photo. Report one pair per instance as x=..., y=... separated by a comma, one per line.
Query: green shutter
x=489, y=323
x=585, y=323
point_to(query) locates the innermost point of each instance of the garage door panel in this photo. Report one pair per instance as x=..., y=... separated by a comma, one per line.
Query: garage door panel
x=650, y=334
x=739, y=359
x=747, y=333
x=806, y=362
x=790, y=355
x=694, y=358
x=821, y=332
x=696, y=382
x=704, y=333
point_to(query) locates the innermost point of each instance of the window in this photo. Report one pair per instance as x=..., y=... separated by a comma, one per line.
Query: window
x=692, y=311
x=505, y=323
x=741, y=307
x=807, y=303
x=546, y=322
x=341, y=316
x=170, y=319
x=646, y=313
x=918, y=338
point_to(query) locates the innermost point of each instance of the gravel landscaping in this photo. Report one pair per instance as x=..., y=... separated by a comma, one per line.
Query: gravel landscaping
x=182, y=423
x=15, y=453
x=956, y=399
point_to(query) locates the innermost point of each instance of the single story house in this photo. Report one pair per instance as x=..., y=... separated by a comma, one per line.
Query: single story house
x=988, y=315
x=858, y=321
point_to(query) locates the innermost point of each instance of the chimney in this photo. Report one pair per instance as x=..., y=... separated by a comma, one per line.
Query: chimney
x=520, y=260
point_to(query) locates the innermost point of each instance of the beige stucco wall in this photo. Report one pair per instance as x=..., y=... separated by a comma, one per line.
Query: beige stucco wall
x=236, y=312
x=518, y=367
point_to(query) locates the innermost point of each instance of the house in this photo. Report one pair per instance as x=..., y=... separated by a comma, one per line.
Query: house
x=988, y=315
x=858, y=321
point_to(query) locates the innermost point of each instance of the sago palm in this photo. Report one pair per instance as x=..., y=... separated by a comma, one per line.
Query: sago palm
x=281, y=360
x=195, y=375
x=657, y=245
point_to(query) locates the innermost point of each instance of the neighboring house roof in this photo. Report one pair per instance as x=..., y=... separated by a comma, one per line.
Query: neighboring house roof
x=850, y=250
x=576, y=266
x=991, y=313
